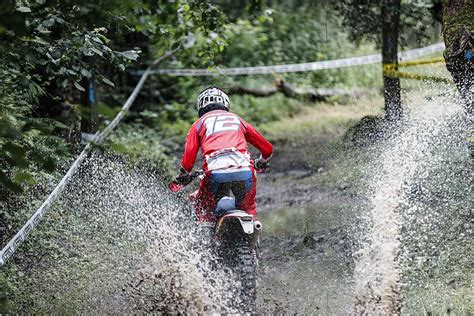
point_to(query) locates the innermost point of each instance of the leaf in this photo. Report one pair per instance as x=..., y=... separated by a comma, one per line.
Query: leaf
x=15, y=154
x=32, y=88
x=100, y=30
x=9, y=183
x=130, y=54
x=98, y=52
x=24, y=177
x=16, y=151
x=40, y=41
x=23, y=9
x=64, y=83
x=48, y=164
x=79, y=87
x=103, y=38
x=60, y=125
x=119, y=148
x=86, y=73
x=106, y=111
x=107, y=81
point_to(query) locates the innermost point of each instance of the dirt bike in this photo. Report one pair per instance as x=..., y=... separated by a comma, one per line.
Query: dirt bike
x=236, y=237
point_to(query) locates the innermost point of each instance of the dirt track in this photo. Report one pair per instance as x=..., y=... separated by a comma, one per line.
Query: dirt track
x=305, y=253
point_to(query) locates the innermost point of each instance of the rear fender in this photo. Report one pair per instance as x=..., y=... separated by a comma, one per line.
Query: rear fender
x=246, y=222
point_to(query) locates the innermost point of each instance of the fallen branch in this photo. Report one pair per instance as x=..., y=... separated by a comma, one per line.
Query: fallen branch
x=265, y=92
x=314, y=95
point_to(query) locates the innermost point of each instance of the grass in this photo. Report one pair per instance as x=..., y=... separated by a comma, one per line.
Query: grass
x=324, y=120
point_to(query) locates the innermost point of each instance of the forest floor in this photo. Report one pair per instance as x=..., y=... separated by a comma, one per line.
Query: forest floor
x=304, y=202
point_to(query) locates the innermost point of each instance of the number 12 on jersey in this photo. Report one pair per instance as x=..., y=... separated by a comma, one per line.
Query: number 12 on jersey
x=221, y=123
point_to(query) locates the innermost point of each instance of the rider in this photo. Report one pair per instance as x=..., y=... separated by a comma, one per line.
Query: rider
x=222, y=137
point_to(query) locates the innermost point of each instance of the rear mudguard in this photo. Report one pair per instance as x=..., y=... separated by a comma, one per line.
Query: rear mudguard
x=248, y=226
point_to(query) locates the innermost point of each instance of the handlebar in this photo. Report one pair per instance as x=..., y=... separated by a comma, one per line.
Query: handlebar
x=178, y=184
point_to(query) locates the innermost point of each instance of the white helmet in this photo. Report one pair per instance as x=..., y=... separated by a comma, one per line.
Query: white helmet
x=212, y=96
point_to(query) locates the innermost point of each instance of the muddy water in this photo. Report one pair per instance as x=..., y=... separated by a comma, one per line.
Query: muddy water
x=126, y=245
x=382, y=221
x=411, y=149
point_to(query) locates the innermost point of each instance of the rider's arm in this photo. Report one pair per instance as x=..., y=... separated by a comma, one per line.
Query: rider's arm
x=190, y=149
x=258, y=141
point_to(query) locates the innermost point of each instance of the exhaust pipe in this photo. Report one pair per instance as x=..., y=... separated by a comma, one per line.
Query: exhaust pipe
x=254, y=238
x=257, y=225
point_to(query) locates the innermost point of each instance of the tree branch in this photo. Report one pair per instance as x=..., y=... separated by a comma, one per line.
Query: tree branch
x=289, y=91
x=165, y=56
x=265, y=92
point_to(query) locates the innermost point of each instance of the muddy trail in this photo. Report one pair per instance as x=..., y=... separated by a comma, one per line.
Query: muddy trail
x=306, y=261
x=342, y=184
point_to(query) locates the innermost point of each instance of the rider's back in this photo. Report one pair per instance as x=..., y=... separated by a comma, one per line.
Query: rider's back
x=223, y=138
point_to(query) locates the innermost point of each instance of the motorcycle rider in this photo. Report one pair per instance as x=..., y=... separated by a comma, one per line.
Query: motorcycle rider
x=222, y=137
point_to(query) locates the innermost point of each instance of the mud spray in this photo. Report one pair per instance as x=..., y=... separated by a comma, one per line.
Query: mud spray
x=413, y=147
x=121, y=243
x=127, y=245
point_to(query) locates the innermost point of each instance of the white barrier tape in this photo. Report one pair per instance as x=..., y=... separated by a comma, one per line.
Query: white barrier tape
x=18, y=239
x=312, y=66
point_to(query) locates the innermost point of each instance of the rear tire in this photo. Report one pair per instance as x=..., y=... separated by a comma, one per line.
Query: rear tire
x=237, y=254
x=248, y=277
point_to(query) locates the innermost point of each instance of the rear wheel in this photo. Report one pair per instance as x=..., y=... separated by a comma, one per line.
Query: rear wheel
x=240, y=258
x=248, y=277
x=238, y=255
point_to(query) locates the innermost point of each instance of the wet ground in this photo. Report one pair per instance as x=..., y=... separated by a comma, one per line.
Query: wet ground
x=306, y=261
x=133, y=248
x=311, y=204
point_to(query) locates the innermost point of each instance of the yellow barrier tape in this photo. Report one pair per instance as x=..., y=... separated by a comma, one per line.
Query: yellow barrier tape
x=418, y=62
x=430, y=61
x=391, y=70
x=470, y=137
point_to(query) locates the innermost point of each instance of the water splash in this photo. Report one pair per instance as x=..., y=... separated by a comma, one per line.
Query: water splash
x=127, y=245
x=408, y=150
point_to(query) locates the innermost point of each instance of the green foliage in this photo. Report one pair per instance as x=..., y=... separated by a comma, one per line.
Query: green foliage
x=56, y=48
x=362, y=20
x=46, y=51
x=7, y=291
x=265, y=110
x=50, y=48
x=278, y=36
x=26, y=143
x=139, y=144
x=195, y=27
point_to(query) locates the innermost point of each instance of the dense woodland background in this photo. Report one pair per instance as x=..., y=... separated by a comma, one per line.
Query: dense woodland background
x=66, y=67
x=52, y=51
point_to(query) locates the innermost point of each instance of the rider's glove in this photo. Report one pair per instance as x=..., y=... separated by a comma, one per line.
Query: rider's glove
x=261, y=164
x=184, y=177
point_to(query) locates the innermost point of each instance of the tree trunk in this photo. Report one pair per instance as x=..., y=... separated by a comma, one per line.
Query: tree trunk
x=458, y=31
x=390, y=24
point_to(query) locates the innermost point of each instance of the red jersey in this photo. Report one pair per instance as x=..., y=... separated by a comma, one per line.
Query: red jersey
x=219, y=132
